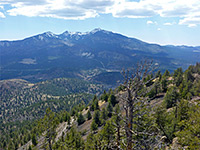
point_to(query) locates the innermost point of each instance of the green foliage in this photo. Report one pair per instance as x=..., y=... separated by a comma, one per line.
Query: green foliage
x=183, y=108
x=188, y=75
x=103, y=116
x=96, y=117
x=166, y=73
x=80, y=119
x=104, y=96
x=22, y=100
x=109, y=109
x=190, y=128
x=112, y=99
x=107, y=134
x=91, y=142
x=49, y=124
x=178, y=76
x=166, y=122
x=178, y=118
x=154, y=91
x=185, y=89
x=196, y=88
x=164, y=84
x=89, y=115
x=73, y=140
x=34, y=139
x=94, y=104
x=94, y=126
x=148, y=80
x=171, y=98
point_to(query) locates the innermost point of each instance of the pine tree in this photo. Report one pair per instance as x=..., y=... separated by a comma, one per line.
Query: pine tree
x=104, y=96
x=94, y=126
x=171, y=97
x=89, y=116
x=117, y=123
x=112, y=99
x=109, y=109
x=96, y=118
x=80, y=119
x=50, y=123
x=107, y=134
x=34, y=139
x=103, y=115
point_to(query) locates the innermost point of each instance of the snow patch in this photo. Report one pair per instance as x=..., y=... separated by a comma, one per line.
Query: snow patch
x=87, y=54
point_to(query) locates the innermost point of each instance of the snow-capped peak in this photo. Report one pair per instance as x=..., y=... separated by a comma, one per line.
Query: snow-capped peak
x=49, y=34
x=66, y=33
x=98, y=30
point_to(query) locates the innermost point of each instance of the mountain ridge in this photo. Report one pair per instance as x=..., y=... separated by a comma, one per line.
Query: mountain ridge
x=69, y=54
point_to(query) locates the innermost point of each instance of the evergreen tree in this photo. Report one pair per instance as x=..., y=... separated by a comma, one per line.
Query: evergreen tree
x=109, y=109
x=80, y=119
x=166, y=73
x=103, y=116
x=164, y=84
x=96, y=118
x=190, y=128
x=90, y=143
x=50, y=123
x=171, y=97
x=94, y=126
x=112, y=99
x=74, y=140
x=104, y=96
x=34, y=139
x=108, y=135
x=96, y=104
x=89, y=116
x=117, y=123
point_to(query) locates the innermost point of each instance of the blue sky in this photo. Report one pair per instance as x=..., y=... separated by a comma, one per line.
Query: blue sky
x=164, y=22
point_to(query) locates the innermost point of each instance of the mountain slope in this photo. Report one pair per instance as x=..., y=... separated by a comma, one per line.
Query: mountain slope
x=85, y=55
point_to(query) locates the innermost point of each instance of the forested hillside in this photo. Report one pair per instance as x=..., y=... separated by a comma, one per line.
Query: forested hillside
x=147, y=111
x=22, y=100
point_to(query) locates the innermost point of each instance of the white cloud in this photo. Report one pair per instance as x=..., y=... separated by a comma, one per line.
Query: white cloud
x=64, y=9
x=159, y=29
x=187, y=10
x=192, y=25
x=2, y=15
x=149, y=22
x=190, y=21
x=168, y=24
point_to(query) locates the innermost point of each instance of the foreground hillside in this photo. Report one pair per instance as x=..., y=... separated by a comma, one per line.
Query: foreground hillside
x=97, y=56
x=145, y=112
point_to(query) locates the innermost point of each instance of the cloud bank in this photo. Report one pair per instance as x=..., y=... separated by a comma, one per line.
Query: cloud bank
x=188, y=11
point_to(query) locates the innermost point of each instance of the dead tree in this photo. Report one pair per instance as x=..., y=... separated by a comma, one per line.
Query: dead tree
x=133, y=93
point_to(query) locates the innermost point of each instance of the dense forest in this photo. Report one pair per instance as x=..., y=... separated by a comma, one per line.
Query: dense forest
x=148, y=110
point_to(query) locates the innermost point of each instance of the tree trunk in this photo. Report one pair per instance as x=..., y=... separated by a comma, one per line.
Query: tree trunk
x=130, y=120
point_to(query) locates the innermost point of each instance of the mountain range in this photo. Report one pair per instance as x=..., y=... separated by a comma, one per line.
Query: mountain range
x=97, y=56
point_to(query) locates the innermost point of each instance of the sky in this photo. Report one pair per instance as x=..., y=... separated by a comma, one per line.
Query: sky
x=165, y=22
